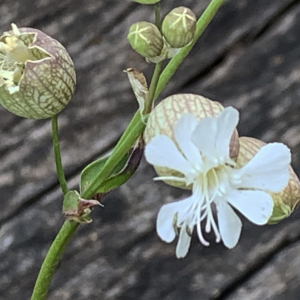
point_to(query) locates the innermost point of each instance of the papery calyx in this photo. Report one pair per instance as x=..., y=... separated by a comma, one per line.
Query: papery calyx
x=37, y=75
x=197, y=153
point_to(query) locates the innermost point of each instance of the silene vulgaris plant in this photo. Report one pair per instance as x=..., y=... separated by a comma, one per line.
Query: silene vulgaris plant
x=191, y=141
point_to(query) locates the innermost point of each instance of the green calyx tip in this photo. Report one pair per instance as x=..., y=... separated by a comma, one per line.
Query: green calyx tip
x=179, y=26
x=37, y=75
x=146, y=39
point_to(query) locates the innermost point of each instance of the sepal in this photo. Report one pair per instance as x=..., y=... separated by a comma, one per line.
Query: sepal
x=77, y=209
x=122, y=172
x=139, y=86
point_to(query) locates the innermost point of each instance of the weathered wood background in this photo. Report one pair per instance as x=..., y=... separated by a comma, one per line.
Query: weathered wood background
x=249, y=57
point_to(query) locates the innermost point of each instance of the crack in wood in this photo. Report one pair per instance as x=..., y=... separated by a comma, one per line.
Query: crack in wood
x=275, y=19
x=257, y=267
x=55, y=185
x=243, y=42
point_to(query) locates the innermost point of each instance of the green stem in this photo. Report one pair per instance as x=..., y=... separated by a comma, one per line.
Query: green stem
x=150, y=96
x=176, y=61
x=128, y=138
x=49, y=265
x=157, y=15
x=159, y=81
x=59, y=167
x=118, y=153
x=132, y=132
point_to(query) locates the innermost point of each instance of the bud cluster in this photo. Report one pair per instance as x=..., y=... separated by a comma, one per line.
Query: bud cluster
x=178, y=28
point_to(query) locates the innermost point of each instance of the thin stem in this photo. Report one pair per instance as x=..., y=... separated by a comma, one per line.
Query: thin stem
x=129, y=137
x=150, y=96
x=157, y=15
x=118, y=153
x=158, y=68
x=49, y=265
x=59, y=167
x=176, y=61
x=132, y=132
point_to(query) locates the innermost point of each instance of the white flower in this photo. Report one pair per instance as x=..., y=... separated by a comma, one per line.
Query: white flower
x=201, y=155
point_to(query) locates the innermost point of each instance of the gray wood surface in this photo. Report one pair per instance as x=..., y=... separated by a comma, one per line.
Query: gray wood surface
x=249, y=58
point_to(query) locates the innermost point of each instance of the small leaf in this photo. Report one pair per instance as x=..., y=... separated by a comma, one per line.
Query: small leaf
x=131, y=165
x=70, y=203
x=122, y=172
x=77, y=209
x=91, y=171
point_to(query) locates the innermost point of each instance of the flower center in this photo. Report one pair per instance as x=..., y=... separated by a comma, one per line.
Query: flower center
x=13, y=55
x=207, y=187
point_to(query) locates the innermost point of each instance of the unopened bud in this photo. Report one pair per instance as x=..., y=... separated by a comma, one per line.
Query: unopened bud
x=179, y=26
x=37, y=76
x=146, y=39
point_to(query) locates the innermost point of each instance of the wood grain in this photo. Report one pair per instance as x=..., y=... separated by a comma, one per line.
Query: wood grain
x=247, y=58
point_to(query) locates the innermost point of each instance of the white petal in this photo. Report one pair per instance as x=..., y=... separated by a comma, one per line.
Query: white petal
x=171, y=178
x=230, y=224
x=204, y=136
x=226, y=122
x=257, y=206
x=165, y=219
x=161, y=151
x=268, y=169
x=183, y=243
x=183, y=130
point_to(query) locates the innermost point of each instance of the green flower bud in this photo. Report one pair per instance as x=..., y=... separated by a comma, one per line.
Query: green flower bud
x=146, y=39
x=37, y=76
x=286, y=201
x=179, y=26
x=146, y=1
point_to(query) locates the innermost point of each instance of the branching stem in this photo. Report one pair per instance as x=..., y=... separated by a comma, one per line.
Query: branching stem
x=58, y=162
x=131, y=134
